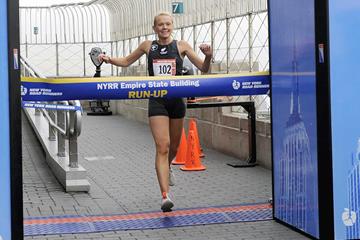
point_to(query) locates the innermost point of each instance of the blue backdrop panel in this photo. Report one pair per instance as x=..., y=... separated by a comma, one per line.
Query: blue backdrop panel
x=144, y=87
x=293, y=95
x=5, y=208
x=344, y=17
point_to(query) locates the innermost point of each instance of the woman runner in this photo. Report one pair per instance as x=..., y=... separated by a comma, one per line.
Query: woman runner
x=166, y=115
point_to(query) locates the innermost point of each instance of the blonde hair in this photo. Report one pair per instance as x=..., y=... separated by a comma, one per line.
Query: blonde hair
x=163, y=14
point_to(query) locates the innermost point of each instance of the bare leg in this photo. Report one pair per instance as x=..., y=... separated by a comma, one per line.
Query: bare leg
x=159, y=126
x=176, y=126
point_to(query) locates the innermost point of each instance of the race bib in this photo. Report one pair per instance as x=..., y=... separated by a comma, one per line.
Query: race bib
x=164, y=67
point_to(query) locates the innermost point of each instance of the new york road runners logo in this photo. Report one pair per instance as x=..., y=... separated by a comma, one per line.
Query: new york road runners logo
x=23, y=93
x=154, y=47
x=236, y=85
x=348, y=217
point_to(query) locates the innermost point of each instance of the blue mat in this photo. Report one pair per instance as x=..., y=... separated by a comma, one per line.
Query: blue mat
x=147, y=220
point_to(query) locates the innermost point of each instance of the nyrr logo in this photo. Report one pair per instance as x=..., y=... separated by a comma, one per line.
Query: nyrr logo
x=154, y=47
x=23, y=93
x=348, y=217
x=236, y=85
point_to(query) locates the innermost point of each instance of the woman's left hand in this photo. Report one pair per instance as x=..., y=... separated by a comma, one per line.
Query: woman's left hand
x=206, y=49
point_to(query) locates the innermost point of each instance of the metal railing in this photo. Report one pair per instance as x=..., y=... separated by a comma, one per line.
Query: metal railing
x=64, y=125
x=237, y=31
x=64, y=23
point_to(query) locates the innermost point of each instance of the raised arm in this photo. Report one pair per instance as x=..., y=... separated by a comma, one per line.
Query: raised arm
x=202, y=65
x=129, y=59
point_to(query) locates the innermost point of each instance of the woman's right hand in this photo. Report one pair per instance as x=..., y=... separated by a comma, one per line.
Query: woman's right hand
x=103, y=58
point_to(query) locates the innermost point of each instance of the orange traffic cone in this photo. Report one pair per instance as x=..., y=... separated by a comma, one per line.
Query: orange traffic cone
x=193, y=127
x=193, y=162
x=181, y=152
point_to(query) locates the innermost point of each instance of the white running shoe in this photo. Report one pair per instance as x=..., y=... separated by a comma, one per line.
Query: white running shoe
x=171, y=178
x=166, y=203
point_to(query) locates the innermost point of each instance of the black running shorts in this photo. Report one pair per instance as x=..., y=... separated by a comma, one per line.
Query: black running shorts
x=173, y=108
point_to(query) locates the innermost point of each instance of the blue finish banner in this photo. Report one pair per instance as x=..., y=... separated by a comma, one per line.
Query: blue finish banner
x=345, y=115
x=5, y=199
x=294, y=120
x=35, y=89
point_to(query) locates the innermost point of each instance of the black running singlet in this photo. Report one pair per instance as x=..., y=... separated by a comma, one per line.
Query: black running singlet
x=164, y=60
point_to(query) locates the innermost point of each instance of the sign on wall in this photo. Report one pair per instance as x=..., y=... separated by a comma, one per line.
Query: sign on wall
x=177, y=7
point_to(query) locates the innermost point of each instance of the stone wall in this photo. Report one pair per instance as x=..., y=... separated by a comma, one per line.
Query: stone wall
x=217, y=127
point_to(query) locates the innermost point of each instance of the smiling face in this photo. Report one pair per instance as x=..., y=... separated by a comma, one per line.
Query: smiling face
x=163, y=26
